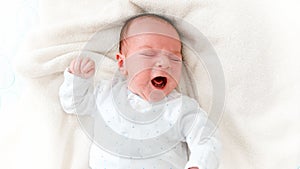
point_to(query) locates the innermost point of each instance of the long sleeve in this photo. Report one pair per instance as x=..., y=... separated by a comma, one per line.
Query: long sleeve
x=76, y=95
x=201, y=137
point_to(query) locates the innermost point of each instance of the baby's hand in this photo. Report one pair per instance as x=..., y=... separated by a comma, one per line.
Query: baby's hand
x=82, y=67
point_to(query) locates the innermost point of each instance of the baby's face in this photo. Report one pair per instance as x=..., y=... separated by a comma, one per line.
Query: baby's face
x=153, y=62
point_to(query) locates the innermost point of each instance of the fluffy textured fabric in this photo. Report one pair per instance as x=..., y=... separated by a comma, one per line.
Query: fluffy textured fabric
x=259, y=128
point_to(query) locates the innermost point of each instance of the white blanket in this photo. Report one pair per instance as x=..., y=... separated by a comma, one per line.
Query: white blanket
x=260, y=125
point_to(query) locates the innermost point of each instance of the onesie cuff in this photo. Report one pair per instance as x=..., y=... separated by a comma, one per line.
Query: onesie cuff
x=190, y=164
x=69, y=77
x=204, y=161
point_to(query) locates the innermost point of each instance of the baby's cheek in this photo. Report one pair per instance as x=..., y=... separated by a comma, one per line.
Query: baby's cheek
x=139, y=80
x=175, y=76
x=171, y=87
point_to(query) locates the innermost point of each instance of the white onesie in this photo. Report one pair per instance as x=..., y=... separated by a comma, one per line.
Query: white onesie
x=131, y=133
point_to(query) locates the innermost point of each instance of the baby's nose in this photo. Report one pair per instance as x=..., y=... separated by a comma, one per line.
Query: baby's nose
x=163, y=62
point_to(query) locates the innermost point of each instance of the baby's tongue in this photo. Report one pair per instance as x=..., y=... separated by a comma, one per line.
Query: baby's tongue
x=158, y=80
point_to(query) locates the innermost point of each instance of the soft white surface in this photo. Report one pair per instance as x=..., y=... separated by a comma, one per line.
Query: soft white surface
x=257, y=42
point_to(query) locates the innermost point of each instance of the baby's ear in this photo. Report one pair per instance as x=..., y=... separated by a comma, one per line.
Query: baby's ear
x=121, y=63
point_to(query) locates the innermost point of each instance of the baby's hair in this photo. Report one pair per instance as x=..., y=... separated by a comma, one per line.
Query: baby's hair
x=128, y=22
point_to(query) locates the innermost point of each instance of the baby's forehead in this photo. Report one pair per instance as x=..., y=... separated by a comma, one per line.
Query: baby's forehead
x=151, y=26
x=152, y=19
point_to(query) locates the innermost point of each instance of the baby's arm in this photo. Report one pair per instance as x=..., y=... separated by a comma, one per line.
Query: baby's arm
x=200, y=134
x=76, y=93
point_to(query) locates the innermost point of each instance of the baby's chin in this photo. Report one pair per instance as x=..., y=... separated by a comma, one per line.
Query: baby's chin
x=156, y=96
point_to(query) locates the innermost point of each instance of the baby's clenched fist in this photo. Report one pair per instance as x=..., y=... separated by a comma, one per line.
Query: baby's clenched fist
x=82, y=67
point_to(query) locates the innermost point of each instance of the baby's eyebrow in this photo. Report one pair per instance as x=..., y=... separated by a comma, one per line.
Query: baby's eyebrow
x=145, y=46
x=176, y=52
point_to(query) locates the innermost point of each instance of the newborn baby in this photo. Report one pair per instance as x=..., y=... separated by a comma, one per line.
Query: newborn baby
x=142, y=106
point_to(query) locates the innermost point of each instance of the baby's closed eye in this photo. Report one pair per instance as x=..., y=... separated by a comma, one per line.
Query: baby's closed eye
x=175, y=58
x=148, y=53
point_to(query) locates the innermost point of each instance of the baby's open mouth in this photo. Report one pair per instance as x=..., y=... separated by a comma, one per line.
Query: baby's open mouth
x=159, y=82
